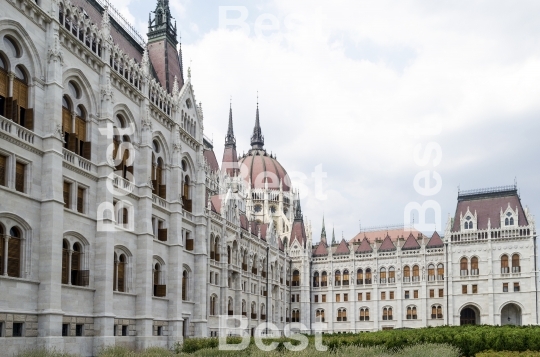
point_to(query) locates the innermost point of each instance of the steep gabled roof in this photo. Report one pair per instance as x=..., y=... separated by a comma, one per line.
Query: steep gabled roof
x=435, y=241
x=298, y=232
x=364, y=247
x=343, y=248
x=210, y=157
x=387, y=245
x=215, y=202
x=321, y=249
x=410, y=243
x=244, y=221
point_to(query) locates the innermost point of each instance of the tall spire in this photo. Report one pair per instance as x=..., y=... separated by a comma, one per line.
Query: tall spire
x=257, y=139
x=298, y=210
x=230, y=140
x=333, y=236
x=323, y=232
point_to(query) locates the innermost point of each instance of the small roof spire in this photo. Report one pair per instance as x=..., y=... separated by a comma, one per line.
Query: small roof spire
x=323, y=232
x=333, y=236
x=298, y=209
x=257, y=139
x=230, y=140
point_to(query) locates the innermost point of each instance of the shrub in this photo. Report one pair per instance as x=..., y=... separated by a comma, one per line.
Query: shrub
x=43, y=353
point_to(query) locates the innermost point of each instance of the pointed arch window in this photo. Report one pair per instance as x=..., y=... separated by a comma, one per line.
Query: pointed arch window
x=213, y=302
x=406, y=274
x=367, y=280
x=342, y=314
x=337, y=278
x=319, y=315
x=160, y=288
x=504, y=264
x=230, y=307
x=431, y=272
x=185, y=279
x=464, y=267
x=391, y=275
x=382, y=278
x=324, y=279
x=359, y=277
x=4, y=85
x=17, y=106
x=516, y=268
x=411, y=313
x=436, y=312
x=75, y=122
x=186, y=194
x=474, y=266
x=296, y=315
x=316, y=279
x=416, y=273
x=364, y=314
x=345, y=277
x=440, y=271
x=387, y=313
x=296, y=278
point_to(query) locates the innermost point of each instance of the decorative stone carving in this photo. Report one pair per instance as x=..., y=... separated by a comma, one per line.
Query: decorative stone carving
x=55, y=53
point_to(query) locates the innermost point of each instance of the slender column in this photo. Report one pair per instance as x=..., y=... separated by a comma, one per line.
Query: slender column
x=69, y=266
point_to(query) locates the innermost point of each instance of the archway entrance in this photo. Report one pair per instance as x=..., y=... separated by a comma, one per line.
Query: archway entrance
x=468, y=316
x=511, y=315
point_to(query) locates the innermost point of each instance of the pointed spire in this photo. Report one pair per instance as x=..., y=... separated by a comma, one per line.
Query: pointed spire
x=257, y=139
x=230, y=140
x=323, y=232
x=333, y=236
x=298, y=210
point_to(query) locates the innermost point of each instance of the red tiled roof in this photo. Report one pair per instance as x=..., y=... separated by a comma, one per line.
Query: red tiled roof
x=343, y=248
x=261, y=168
x=435, y=241
x=489, y=206
x=410, y=243
x=379, y=234
x=210, y=157
x=298, y=232
x=364, y=247
x=244, y=221
x=387, y=245
x=321, y=249
x=230, y=161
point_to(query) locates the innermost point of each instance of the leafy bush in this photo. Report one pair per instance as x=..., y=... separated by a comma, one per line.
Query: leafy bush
x=508, y=354
x=43, y=353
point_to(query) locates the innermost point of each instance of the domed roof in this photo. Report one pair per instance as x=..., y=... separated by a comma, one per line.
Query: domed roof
x=261, y=168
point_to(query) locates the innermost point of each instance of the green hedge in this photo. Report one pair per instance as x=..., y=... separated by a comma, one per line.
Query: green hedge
x=469, y=339
x=508, y=354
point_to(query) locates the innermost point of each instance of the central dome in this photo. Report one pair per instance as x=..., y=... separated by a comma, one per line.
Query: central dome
x=261, y=168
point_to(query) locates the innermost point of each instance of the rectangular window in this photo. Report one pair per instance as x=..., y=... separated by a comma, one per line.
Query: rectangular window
x=18, y=329
x=124, y=330
x=316, y=298
x=441, y=292
x=475, y=289
x=345, y=297
x=416, y=294
x=80, y=200
x=338, y=298
x=431, y=293
x=67, y=194
x=516, y=287
x=115, y=327
x=368, y=296
x=65, y=330
x=3, y=169
x=297, y=296
x=19, y=176
x=383, y=295
x=359, y=296
x=2, y=329
x=407, y=294
x=505, y=287
x=464, y=289
x=79, y=330
x=160, y=331
x=323, y=297
x=391, y=295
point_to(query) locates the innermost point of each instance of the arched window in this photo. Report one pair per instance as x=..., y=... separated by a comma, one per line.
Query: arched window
x=213, y=310
x=391, y=275
x=12, y=244
x=504, y=264
x=440, y=271
x=364, y=314
x=324, y=279
x=160, y=289
x=65, y=262
x=17, y=108
x=319, y=315
x=159, y=186
x=337, y=278
x=416, y=273
x=296, y=315
x=474, y=266
x=345, y=277
x=406, y=274
x=230, y=307
x=244, y=311
x=228, y=255
x=216, y=249
x=4, y=85
x=506, y=221
x=121, y=273
x=411, y=313
x=296, y=278
x=359, y=277
x=516, y=268
x=511, y=221
x=436, y=312
x=382, y=277
x=186, y=195
x=253, y=310
x=464, y=267
x=74, y=122
x=122, y=149
x=387, y=313
x=316, y=279
x=263, y=312
x=185, y=277
x=342, y=314
x=431, y=272
x=367, y=280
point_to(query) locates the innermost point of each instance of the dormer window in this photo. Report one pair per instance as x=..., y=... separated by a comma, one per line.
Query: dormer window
x=468, y=223
x=509, y=220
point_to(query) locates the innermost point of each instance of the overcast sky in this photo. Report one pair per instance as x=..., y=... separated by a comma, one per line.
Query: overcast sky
x=353, y=85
